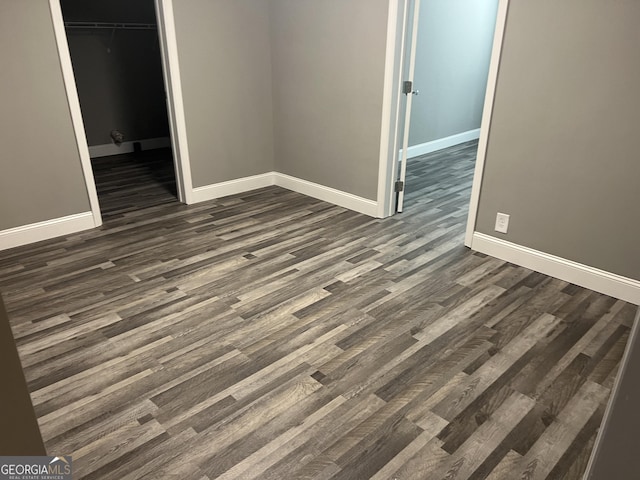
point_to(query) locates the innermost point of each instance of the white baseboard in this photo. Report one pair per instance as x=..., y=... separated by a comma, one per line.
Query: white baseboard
x=232, y=187
x=26, y=234
x=96, y=151
x=35, y=232
x=331, y=195
x=246, y=184
x=446, y=142
x=592, y=278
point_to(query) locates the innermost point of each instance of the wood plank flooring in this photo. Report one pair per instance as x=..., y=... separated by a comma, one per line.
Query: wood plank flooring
x=270, y=335
x=133, y=181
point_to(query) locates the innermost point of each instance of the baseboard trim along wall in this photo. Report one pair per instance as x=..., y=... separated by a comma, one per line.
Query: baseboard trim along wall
x=232, y=187
x=96, y=151
x=446, y=142
x=583, y=275
x=246, y=184
x=328, y=194
x=35, y=232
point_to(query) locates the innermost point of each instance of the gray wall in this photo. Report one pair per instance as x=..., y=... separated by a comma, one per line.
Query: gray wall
x=119, y=83
x=328, y=72
x=562, y=157
x=225, y=67
x=41, y=172
x=455, y=38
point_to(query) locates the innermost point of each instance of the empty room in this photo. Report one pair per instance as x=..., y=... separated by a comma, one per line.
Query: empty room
x=274, y=314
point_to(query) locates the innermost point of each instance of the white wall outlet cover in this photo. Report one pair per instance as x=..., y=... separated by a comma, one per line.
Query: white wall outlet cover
x=502, y=223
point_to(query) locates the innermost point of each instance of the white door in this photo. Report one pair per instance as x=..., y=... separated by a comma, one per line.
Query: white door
x=409, y=90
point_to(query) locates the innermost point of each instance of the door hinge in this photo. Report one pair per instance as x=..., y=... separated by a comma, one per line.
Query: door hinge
x=407, y=87
x=399, y=186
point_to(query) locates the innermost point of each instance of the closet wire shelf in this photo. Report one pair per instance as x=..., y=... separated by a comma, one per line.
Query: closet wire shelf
x=110, y=26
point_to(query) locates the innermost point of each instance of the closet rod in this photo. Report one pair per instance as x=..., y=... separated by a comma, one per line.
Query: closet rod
x=111, y=26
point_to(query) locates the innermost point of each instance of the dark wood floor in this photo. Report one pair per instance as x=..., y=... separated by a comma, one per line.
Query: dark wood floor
x=274, y=336
x=134, y=181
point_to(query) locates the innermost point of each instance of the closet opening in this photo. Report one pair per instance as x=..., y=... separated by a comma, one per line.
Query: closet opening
x=117, y=64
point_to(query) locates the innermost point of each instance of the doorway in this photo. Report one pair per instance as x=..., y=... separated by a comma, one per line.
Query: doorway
x=449, y=57
x=116, y=59
x=449, y=51
x=155, y=19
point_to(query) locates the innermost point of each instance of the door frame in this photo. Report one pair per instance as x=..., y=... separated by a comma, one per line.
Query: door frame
x=175, y=106
x=392, y=102
x=74, y=108
x=175, y=102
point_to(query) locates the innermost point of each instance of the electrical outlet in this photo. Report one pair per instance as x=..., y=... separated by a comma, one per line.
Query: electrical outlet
x=502, y=222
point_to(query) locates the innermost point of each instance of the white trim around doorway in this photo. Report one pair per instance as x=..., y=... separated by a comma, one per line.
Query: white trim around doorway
x=391, y=110
x=175, y=106
x=74, y=108
x=175, y=102
x=485, y=126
